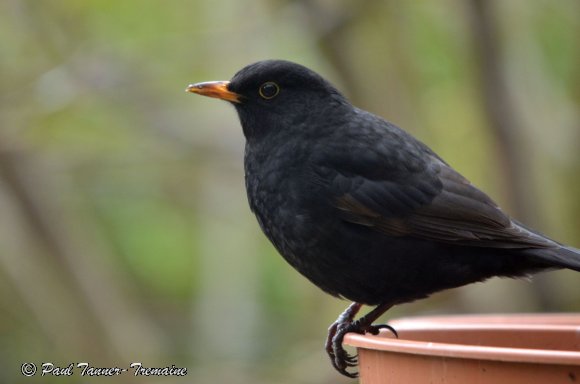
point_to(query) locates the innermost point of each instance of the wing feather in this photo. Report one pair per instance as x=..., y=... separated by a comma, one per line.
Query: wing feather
x=438, y=204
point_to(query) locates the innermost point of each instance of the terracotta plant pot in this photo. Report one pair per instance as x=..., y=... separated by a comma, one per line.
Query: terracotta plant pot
x=494, y=349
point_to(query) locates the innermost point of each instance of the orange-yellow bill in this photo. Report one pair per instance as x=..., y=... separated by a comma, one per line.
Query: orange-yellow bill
x=217, y=89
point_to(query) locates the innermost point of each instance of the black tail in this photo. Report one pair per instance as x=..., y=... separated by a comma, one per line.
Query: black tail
x=563, y=257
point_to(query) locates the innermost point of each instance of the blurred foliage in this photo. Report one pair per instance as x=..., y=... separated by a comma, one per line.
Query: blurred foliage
x=125, y=234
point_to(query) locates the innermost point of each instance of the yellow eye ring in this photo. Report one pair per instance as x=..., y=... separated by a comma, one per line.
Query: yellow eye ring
x=269, y=90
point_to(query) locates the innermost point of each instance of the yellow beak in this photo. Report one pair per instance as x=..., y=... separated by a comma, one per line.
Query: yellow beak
x=217, y=89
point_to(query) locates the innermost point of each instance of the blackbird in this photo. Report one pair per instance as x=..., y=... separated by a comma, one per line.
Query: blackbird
x=360, y=207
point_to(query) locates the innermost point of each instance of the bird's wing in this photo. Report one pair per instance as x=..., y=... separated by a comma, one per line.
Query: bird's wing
x=431, y=202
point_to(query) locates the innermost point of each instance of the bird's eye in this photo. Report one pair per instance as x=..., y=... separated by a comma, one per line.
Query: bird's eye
x=269, y=90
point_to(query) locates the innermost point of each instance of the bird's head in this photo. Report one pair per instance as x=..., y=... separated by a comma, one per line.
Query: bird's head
x=276, y=95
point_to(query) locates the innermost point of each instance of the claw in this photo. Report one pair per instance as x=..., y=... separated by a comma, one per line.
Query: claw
x=375, y=329
x=341, y=360
x=339, y=357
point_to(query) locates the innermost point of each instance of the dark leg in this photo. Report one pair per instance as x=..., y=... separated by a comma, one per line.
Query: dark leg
x=345, y=323
x=345, y=318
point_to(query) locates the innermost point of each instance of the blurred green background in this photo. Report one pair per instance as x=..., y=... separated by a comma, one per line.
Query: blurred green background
x=124, y=229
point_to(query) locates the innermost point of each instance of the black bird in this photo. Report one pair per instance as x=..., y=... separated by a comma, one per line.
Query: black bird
x=361, y=208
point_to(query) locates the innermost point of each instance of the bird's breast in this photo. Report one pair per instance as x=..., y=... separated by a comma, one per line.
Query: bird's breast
x=287, y=206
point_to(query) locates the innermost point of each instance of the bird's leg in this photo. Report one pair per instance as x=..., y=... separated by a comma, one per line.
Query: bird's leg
x=345, y=323
x=344, y=319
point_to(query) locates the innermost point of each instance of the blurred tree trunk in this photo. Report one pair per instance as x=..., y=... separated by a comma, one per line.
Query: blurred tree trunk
x=102, y=321
x=505, y=124
x=329, y=23
x=507, y=129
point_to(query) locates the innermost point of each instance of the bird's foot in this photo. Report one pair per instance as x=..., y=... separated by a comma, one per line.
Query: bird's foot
x=341, y=360
x=339, y=357
x=375, y=329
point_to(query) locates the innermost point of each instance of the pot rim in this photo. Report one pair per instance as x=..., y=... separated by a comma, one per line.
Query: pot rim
x=486, y=323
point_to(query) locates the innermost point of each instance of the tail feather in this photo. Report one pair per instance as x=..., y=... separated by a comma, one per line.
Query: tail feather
x=562, y=257
x=555, y=254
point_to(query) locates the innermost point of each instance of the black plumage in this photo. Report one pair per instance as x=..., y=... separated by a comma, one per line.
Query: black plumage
x=360, y=207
